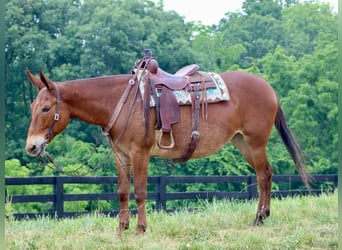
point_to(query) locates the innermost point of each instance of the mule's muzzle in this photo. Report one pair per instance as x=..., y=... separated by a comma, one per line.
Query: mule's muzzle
x=36, y=146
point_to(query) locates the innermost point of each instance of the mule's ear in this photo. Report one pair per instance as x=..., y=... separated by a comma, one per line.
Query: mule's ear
x=36, y=82
x=46, y=81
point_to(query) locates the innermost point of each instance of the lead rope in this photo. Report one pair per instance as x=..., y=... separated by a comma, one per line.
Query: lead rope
x=57, y=168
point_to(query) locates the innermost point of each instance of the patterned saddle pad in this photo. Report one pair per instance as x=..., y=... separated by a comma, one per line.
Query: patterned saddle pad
x=216, y=91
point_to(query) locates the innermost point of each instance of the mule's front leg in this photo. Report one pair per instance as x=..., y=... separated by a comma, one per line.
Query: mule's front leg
x=140, y=170
x=124, y=182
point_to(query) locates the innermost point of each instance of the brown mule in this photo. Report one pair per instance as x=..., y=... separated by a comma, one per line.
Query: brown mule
x=246, y=120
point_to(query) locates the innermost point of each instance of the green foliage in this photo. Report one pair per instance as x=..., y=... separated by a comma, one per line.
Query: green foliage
x=292, y=45
x=73, y=159
x=14, y=168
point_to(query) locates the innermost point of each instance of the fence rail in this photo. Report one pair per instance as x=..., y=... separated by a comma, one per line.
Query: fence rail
x=160, y=195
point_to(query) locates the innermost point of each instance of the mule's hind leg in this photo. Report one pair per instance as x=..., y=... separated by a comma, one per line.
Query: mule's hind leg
x=255, y=154
x=264, y=173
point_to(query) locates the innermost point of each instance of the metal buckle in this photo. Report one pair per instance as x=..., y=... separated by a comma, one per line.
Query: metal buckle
x=56, y=117
x=195, y=133
x=131, y=82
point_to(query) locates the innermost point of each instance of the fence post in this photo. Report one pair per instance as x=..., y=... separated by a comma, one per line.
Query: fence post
x=59, y=201
x=161, y=189
x=336, y=182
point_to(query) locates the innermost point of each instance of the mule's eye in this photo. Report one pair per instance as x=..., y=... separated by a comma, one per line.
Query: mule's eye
x=45, y=110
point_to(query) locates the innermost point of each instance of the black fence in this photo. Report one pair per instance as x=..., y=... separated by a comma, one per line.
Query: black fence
x=160, y=195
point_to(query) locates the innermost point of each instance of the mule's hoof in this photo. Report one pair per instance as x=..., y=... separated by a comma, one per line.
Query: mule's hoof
x=259, y=220
x=260, y=217
x=122, y=227
x=141, y=229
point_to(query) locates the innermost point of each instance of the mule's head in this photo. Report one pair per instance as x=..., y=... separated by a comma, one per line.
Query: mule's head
x=49, y=115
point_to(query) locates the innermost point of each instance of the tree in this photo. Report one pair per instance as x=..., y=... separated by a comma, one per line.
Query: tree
x=280, y=70
x=303, y=26
x=262, y=8
x=77, y=39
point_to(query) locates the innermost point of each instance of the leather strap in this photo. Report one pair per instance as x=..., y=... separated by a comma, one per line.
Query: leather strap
x=146, y=110
x=119, y=107
x=56, y=115
x=195, y=135
x=114, y=143
x=157, y=101
x=115, y=115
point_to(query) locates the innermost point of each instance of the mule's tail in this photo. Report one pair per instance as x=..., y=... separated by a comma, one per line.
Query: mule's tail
x=292, y=146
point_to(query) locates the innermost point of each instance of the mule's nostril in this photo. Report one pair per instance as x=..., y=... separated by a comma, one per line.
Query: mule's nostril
x=35, y=145
x=33, y=148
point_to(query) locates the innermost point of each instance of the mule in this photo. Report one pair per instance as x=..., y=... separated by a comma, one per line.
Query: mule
x=246, y=120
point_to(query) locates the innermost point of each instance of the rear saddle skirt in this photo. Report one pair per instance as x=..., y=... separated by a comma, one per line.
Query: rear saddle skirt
x=167, y=92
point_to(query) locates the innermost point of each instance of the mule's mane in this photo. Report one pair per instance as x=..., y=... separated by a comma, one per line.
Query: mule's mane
x=89, y=97
x=97, y=80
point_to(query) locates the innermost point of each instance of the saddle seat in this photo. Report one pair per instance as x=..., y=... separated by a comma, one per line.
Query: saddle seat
x=176, y=81
x=187, y=70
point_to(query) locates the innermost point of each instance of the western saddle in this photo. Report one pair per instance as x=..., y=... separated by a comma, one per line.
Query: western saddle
x=161, y=85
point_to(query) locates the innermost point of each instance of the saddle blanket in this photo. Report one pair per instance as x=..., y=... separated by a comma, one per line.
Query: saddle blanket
x=215, y=92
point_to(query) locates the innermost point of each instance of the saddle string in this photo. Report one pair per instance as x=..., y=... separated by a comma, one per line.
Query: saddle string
x=204, y=99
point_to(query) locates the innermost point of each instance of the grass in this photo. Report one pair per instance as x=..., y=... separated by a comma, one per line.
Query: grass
x=295, y=223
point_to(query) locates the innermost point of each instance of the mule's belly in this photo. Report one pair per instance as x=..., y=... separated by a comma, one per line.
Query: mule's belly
x=215, y=133
x=203, y=149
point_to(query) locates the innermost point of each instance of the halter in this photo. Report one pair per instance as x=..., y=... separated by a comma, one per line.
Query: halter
x=48, y=136
x=56, y=115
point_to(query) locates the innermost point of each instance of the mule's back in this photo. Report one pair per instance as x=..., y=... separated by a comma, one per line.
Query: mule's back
x=251, y=110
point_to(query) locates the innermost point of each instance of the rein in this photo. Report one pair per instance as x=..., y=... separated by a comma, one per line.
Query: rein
x=55, y=167
x=106, y=129
x=117, y=111
x=48, y=136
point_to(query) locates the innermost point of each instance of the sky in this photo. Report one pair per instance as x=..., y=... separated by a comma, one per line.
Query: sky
x=210, y=11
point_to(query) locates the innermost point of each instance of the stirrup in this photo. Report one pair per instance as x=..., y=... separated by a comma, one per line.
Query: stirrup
x=172, y=143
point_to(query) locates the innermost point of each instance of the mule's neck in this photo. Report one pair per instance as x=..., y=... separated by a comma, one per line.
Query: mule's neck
x=93, y=100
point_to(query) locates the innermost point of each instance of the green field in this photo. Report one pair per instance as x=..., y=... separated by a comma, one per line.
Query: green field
x=295, y=223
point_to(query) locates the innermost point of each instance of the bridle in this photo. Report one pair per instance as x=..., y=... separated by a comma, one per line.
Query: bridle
x=115, y=115
x=55, y=116
x=49, y=133
x=47, y=139
x=53, y=124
